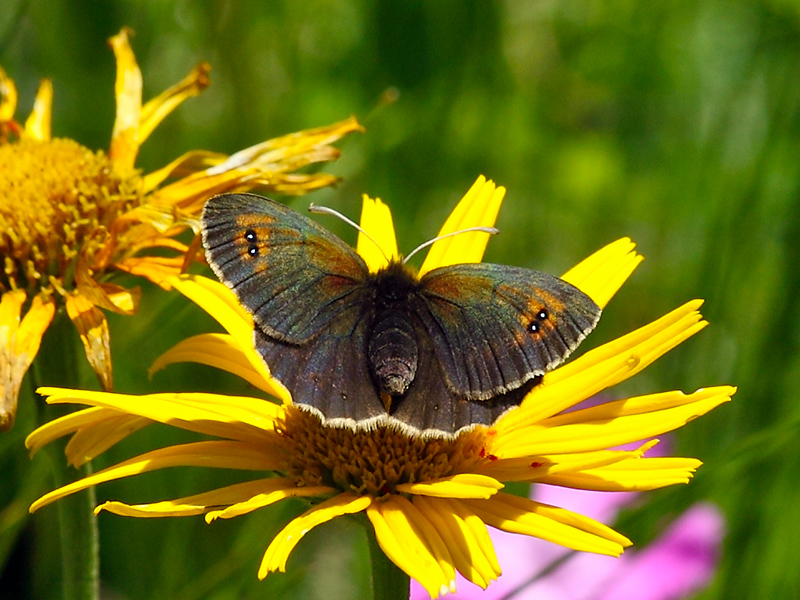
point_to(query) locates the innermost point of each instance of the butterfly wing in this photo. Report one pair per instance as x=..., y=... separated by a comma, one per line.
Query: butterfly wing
x=292, y=275
x=496, y=327
x=305, y=290
x=433, y=408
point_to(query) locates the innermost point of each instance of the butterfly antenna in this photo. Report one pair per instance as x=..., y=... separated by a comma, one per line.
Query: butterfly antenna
x=489, y=230
x=324, y=210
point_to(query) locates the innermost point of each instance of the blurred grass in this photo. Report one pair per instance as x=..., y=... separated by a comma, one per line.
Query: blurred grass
x=675, y=123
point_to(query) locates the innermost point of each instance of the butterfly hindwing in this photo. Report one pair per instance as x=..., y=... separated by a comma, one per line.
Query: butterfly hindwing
x=329, y=373
x=292, y=275
x=496, y=327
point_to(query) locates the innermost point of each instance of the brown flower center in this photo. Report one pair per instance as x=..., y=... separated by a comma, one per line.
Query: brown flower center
x=55, y=197
x=371, y=462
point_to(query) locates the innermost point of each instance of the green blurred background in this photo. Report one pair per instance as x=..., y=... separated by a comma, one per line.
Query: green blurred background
x=675, y=123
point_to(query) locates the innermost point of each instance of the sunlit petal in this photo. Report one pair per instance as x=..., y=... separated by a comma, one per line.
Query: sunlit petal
x=405, y=545
x=478, y=208
x=602, y=274
x=379, y=246
x=37, y=125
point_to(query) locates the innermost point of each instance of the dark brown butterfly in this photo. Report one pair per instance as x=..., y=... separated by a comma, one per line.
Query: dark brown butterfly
x=433, y=354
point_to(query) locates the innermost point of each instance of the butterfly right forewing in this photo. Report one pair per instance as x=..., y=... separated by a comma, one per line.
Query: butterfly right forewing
x=497, y=327
x=292, y=275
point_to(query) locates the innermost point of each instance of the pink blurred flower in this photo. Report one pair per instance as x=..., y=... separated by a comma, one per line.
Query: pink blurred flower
x=676, y=565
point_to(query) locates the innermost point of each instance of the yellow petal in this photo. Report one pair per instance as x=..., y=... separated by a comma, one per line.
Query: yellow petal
x=405, y=545
x=264, y=165
x=466, y=537
x=93, y=330
x=602, y=367
x=432, y=537
x=219, y=302
x=463, y=485
x=282, y=545
x=158, y=269
x=19, y=344
x=89, y=442
x=221, y=352
x=8, y=97
x=287, y=489
x=154, y=111
x=560, y=526
x=219, y=455
x=197, y=504
x=536, y=468
x=598, y=430
x=52, y=430
x=38, y=124
x=191, y=162
x=128, y=92
x=633, y=475
x=478, y=208
x=379, y=246
x=602, y=274
x=233, y=417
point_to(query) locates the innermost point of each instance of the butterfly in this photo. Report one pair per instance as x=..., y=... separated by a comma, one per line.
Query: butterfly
x=432, y=355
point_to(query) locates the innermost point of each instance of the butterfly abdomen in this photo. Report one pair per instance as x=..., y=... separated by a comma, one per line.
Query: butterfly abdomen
x=392, y=348
x=392, y=352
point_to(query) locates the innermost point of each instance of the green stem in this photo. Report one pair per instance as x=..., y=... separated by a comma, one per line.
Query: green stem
x=388, y=581
x=80, y=545
x=57, y=364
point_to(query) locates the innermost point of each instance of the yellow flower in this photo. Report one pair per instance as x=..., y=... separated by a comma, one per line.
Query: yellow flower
x=70, y=217
x=428, y=500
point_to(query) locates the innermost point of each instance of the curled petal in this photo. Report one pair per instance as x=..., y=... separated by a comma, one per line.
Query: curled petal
x=278, y=551
x=197, y=504
x=286, y=489
x=231, y=417
x=92, y=328
x=128, y=91
x=221, y=352
x=632, y=475
x=19, y=344
x=154, y=111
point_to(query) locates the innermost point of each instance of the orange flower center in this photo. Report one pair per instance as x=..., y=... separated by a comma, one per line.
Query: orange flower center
x=57, y=199
x=371, y=462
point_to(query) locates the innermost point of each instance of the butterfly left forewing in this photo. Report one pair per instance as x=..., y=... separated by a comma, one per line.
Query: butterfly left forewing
x=496, y=327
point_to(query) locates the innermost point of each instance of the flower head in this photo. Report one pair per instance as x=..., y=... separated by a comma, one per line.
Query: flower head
x=71, y=217
x=428, y=500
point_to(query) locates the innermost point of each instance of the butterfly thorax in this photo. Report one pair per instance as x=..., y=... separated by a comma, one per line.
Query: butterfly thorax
x=392, y=347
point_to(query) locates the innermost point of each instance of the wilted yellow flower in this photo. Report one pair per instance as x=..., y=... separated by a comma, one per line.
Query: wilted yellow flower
x=70, y=216
x=429, y=500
